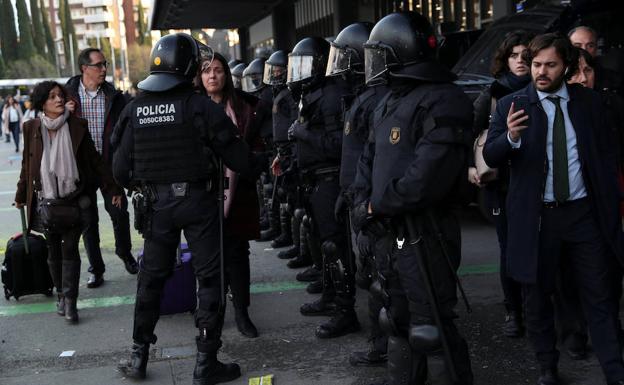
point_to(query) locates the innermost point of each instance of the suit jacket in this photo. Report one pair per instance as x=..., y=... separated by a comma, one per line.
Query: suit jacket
x=91, y=167
x=529, y=166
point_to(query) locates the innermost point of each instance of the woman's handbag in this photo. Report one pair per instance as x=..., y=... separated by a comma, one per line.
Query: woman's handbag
x=59, y=214
x=485, y=172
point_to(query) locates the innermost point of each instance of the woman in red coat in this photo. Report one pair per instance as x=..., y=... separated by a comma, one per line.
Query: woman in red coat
x=241, y=205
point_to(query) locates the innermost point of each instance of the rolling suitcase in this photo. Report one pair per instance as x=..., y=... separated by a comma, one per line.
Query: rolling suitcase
x=180, y=291
x=25, y=267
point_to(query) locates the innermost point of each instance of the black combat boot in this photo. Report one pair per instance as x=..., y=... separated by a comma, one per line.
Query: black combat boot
x=310, y=274
x=244, y=324
x=71, y=278
x=291, y=253
x=285, y=238
x=60, y=305
x=376, y=355
x=315, y=287
x=343, y=322
x=274, y=227
x=209, y=370
x=136, y=366
x=71, y=311
x=318, y=307
x=513, y=327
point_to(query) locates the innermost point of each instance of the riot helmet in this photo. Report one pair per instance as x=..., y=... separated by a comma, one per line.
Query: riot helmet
x=347, y=50
x=308, y=60
x=403, y=44
x=252, y=76
x=174, y=61
x=233, y=63
x=275, y=68
x=237, y=75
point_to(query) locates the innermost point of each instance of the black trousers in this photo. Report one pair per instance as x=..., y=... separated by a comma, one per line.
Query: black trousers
x=121, y=229
x=408, y=302
x=64, y=261
x=14, y=128
x=237, y=273
x=197, y=215
x=570, y=235
x=321, y=207
x=512, y=290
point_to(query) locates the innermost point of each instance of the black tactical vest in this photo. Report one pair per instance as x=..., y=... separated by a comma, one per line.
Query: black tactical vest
x=357, y=122
x=167, y=147
x=284, y=114
x=398, y=127
x=322, y=110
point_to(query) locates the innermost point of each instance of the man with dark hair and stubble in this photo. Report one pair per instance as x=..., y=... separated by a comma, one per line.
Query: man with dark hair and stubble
x=562, y=203
x=100, y=104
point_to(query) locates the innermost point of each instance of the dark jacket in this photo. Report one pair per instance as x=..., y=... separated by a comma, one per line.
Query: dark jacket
x=243, y=219
x=528, y=166
x=91, y=167
x=115, y=103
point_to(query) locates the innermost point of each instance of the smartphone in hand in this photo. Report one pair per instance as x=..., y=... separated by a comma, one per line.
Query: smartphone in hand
x=521, y=102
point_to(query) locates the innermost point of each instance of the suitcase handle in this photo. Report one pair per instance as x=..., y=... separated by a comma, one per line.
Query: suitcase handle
x=24, y=230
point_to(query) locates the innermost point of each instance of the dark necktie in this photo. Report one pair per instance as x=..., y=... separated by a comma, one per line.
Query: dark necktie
x=561, y=185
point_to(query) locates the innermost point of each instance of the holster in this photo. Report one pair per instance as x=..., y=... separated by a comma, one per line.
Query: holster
x=142, y=199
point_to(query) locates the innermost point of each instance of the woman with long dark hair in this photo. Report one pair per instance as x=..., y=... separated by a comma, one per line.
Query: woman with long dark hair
x=511, y=73
x=241, y=205
x=12, y=120
x=59, y=165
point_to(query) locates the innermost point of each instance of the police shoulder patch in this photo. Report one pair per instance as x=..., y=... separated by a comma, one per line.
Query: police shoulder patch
x=395, y=135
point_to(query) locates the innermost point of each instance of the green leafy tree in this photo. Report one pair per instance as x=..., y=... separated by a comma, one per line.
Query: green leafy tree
x=138, y=62
x=37, y=28
x=67, y=25
x=35, y=67
x=26, y=44
x=49, y=41
x=7, y=32
x=2, y=67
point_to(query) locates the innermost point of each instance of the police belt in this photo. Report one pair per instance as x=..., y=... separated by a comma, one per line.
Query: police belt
x=178, y=190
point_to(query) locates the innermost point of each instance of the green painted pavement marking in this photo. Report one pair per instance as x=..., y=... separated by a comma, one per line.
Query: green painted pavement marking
x=256, y=288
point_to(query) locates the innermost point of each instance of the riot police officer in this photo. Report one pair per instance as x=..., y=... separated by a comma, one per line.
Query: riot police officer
x=411, y=174
x=252, y=81
x=284, y=114
x=346, y=59
x=237, y=75
x=318, y=137
x=165, y=139
x=233, y=63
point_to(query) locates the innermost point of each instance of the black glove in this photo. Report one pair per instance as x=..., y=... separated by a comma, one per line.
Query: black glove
x=365, y=245
x=360, y=216
x=298, y=131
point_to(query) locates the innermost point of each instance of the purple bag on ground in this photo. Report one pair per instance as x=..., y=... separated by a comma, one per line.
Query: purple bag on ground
x=180, y=291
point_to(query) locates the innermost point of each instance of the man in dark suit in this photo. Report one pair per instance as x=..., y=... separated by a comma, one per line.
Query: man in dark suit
x=562, y=202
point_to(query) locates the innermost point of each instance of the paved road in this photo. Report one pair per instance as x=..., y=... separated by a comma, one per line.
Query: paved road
x=32, y=336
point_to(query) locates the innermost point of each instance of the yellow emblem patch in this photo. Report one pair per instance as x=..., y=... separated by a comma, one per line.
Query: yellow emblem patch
x=395, y=135
x=157, y=60
x=347, y=128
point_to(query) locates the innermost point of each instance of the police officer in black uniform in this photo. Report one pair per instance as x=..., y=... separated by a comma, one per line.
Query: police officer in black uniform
x=346, y=59
x=318, y=135
x=233, y=63
x=284, y=114
x=165, y=139
x=237, y=75
x=406, y=198
x=253, y=81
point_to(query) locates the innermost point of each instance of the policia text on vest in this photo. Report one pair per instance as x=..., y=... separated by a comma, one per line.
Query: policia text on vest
x=155, y=114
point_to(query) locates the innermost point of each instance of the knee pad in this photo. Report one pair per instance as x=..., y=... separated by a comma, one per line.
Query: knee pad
x=329, y=249
x=299, y=214
x=386, y=323
x=424, y=338
x=306, y=221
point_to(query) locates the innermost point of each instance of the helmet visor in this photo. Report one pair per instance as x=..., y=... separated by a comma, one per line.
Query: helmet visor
x=374, y=64
x=274, y=75
x=252, y=82
x=236, y=80
x=300, y=67
x=339, y=61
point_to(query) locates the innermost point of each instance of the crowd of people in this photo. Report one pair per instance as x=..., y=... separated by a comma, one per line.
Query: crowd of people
x=356, y=155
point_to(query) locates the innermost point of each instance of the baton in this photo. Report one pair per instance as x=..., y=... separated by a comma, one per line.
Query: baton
x=433, y=298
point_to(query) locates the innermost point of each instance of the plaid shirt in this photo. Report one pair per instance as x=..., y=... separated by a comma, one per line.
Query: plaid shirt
x=93, y=109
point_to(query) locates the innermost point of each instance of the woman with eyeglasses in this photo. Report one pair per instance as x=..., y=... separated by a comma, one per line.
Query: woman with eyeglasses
x=59, y=164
